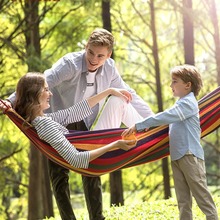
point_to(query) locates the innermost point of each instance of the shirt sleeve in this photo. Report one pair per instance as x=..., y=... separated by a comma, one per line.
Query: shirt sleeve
x=49, y=131
x=61, y=71
x=75, y=113
x=179, y=112
x=12, y=98
x=137, y=102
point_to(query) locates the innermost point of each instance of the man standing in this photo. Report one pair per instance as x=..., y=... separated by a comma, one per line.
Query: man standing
x=74, y=77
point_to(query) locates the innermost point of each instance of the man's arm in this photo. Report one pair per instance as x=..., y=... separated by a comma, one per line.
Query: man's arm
x=63, y=70
x=137, y=102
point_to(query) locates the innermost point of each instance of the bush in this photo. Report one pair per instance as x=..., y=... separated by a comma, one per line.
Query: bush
x=157, y=210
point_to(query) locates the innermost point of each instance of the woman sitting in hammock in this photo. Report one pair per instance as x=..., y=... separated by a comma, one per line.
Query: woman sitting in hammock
x=32, y=99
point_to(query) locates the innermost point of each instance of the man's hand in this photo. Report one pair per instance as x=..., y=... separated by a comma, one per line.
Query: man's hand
x=122, y=93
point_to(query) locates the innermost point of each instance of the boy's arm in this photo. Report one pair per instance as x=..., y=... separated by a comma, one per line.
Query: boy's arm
x=179, y=112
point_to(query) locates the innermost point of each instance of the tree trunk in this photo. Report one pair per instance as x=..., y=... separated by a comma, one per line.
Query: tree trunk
x=116, y=185
x=40, y=196
x=214, y=19
x=116, y=188
x=165, y=164
x=35, y=185
x=188, y=38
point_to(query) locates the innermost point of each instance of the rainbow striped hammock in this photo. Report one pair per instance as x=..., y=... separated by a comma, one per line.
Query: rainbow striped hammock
x=152, y=145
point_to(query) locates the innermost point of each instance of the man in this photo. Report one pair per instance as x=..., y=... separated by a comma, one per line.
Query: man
x=79, y=75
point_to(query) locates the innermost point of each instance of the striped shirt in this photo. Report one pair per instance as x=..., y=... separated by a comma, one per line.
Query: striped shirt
x=50, y=128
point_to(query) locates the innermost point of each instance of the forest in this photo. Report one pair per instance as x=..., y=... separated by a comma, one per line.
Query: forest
x=151, y=37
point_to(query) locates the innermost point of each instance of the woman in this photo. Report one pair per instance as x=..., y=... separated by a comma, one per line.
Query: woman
x=32, y=99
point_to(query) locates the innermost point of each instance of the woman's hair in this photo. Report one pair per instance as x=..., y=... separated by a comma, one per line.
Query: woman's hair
x=28, y=91
x=188, y=73
x=101, y=37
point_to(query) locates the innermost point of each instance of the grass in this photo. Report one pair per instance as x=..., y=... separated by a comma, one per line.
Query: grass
x=156, y=210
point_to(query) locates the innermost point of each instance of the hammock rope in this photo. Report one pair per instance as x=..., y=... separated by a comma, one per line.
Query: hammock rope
x=151, y=145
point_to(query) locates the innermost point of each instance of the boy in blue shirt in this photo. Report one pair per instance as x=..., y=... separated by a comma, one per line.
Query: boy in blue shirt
x=187, y=155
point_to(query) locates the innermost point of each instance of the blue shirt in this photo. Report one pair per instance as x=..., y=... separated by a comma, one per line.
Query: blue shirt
x=184, y=127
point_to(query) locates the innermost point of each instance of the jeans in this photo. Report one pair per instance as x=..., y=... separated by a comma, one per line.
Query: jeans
x=59, y=177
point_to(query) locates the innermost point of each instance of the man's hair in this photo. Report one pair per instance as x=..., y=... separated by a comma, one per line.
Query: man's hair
x=101, y=37
x=189, y=73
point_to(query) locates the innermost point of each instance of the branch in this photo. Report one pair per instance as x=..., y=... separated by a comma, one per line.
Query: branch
x=10, y=155
x=212, y=145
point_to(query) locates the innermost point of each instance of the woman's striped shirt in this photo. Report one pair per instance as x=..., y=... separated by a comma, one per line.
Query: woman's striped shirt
x=50, y=128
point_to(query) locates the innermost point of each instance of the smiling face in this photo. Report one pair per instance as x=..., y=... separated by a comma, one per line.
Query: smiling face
x=32, y=96
x=96, y=56
x=179, y=87
x=44, y=98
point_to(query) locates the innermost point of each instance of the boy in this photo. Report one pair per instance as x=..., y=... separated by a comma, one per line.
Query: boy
x=187, y=155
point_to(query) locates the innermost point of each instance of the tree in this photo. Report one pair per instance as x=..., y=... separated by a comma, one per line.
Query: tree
x=143, y=57
x=27, y=27
x=212, y=11
x=116, y=186
x=26, y=20
x=39, y=192
x=148, y=46
x=188, y=30
x=155, y=50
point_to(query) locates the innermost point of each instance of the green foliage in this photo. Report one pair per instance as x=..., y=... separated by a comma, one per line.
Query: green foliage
x=212, y=157
x=70, y=22
x=13, y=170
x=75, y=183
x=65, y=28
x=160, y=209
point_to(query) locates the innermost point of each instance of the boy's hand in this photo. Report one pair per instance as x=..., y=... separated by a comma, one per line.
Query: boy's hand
x=128, y=132
x=130, y=137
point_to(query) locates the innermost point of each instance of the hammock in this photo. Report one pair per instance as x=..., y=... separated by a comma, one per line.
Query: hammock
x=151, y=145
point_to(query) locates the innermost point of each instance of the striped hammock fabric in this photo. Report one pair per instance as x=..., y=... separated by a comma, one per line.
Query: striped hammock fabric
x=152, y=145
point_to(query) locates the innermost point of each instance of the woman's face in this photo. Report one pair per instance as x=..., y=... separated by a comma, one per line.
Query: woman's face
x=45, y=97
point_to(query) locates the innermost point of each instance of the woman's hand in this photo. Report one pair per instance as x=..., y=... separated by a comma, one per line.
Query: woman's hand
x=125, y=144
x=121, y=93
x=4, y=104
x=121, y=144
